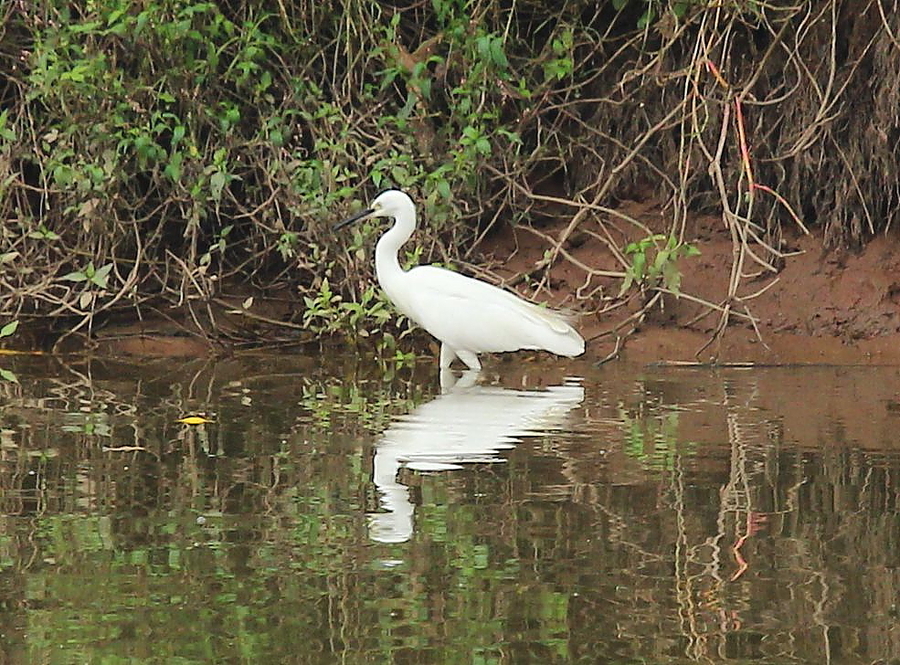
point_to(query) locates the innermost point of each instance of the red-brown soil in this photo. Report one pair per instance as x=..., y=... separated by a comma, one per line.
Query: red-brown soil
x=825, y=306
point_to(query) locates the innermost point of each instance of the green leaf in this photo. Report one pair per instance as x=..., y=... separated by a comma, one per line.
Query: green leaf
x=114, y=16
x=672, y=278
x=7, y=375
x=424, y=86
x=627, y=282
x=265, y=81
x=9, y=329
x=646, y=19
x=483, y=44
x=5, y=132
x=618, y=4
x=76, y=276
x=231, y=117
x=663, y=257
x=173, y=168
x=216, y=184
x=497, y=55
x=400, y=175
x=43, y=233
x=63, y=175
x=101, y=275
x=639, y=263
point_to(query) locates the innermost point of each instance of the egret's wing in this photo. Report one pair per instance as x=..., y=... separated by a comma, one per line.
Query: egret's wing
x=471, y=315
x=461, y=290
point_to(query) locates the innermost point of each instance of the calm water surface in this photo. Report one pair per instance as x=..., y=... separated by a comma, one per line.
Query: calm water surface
x=547, y=512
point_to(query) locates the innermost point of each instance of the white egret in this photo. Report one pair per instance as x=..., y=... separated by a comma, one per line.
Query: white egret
x=467, y=316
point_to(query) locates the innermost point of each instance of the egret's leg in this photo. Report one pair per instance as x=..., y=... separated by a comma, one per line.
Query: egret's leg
x=469, y=358
x=448, y=355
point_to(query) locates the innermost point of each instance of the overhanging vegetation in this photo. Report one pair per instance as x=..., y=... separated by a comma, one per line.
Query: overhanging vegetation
x=151, y=153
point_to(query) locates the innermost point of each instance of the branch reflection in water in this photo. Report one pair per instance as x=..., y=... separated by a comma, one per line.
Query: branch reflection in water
x=466, y=424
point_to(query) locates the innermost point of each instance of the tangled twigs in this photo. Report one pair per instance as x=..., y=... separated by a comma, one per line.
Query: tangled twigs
x=740, y=226
x=632, y=323
x=608, y=182
x=787, y=206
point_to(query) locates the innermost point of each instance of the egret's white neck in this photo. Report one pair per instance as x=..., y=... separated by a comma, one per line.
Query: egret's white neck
x=386, y=263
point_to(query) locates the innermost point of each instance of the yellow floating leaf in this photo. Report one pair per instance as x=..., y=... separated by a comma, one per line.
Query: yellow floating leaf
x=193, y=420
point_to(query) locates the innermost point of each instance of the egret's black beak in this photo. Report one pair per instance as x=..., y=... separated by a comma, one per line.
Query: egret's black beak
x=358, y=216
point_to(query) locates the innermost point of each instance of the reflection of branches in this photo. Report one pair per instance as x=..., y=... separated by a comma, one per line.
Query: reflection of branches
x=736, y=494
x=685, y=591
x=618, y=523
x=702, y=592
x=819, y=613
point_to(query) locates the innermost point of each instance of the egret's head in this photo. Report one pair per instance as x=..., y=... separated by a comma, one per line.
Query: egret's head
x=390, y=203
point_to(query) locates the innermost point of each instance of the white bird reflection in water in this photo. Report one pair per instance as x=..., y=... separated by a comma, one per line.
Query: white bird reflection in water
x=466, y=424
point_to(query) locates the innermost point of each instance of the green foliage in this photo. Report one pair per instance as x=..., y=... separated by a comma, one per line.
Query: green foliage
x=158, y=150
x=95, y=282
x=323, y=309
x=652, y=12
x=193, y=119
x=654, y=265
x=96, y=276
x=9, y=329
x=143, y=112
x=561, y=65
x=326, y=313
x=42, y=233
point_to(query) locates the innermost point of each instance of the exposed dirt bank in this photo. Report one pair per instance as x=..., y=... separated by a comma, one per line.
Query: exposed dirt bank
x=821, y=307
